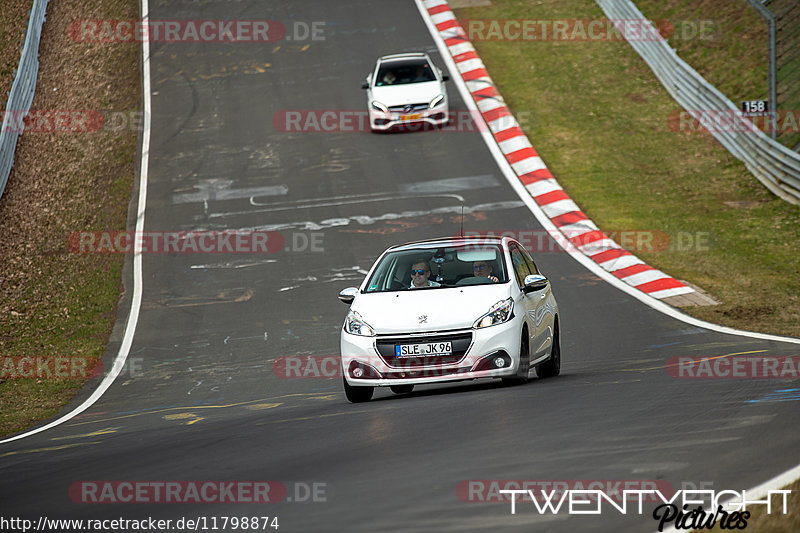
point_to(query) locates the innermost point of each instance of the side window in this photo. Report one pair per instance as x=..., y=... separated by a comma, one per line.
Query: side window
x=520, y=265
x=531, y=264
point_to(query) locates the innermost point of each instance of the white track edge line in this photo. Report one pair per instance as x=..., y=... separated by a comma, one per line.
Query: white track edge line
x=136, y=299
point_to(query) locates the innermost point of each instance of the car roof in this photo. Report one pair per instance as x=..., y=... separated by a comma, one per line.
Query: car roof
x=452, y=241
x=399, y=57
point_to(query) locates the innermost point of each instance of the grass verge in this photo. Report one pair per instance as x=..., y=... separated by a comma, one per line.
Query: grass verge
x=604, y=125
x=58, y=307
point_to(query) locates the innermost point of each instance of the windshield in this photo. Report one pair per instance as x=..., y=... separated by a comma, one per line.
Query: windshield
x=403, y=72
x=438, y=267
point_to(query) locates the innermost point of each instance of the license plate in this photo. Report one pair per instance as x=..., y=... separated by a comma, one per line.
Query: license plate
x=411, y=117
x=423, y=350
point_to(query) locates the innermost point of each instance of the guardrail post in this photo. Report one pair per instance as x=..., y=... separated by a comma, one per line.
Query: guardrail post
x=773, y=90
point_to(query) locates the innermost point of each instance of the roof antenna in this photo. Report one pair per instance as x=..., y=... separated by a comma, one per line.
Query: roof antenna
x=462, y=218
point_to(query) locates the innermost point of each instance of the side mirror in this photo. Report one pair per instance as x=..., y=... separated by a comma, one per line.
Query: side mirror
x=445, y=77
x=348, y=295
x=365, y=85
x=535, y=282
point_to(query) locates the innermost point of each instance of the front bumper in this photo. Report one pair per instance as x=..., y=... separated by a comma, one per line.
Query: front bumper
x=384, y=121
x=486, y=344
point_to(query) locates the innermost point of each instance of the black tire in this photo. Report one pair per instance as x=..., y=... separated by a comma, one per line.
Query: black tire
x=357, y=394
x=524, y=362
x=552, y=367
x=402, y=389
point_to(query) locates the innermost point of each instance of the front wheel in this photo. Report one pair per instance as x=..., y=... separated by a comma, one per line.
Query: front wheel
x=524, y=362
x=552, y=367
x=356, y=394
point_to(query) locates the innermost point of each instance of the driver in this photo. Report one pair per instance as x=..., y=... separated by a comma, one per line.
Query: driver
x=389, y=78
x=482, y=269
x=420, y=272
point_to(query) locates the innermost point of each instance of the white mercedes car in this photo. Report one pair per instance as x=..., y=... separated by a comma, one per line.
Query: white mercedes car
x=406, y=89
x=446, y=310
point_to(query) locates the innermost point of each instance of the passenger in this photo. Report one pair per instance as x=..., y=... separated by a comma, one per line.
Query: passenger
x=421, y=75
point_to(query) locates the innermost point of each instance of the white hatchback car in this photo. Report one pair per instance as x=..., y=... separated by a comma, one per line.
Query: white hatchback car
x=406, y=89
x=446, y=310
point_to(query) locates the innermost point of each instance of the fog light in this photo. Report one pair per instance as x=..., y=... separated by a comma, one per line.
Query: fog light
x=358, y=372
x=499, y=362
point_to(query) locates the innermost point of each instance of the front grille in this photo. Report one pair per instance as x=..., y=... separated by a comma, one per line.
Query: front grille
x=412, y=107
x=386, y=349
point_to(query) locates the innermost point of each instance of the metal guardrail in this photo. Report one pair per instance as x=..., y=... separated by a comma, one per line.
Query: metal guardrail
x=22, y=90
x=776, y=166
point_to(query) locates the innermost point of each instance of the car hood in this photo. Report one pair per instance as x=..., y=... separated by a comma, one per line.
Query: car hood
x=444, y=308
x=409, y=93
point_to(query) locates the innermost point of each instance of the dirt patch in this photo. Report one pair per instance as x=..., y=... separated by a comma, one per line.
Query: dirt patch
x=749, y=312
x=13, y=20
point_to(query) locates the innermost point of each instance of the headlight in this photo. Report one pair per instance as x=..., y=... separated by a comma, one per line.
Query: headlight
x=436, y=101
x=355, y=325
x=498, y=313
x=379, y=106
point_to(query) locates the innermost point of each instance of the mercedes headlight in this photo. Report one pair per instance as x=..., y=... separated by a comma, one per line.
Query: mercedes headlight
x=355, y=325
x=498, y=314
x=379, y=106
x=436, y=101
